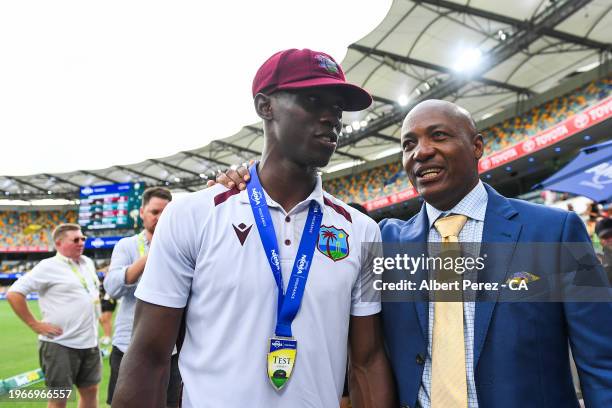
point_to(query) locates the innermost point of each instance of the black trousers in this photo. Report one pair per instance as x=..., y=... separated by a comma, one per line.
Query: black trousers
x=173, y=393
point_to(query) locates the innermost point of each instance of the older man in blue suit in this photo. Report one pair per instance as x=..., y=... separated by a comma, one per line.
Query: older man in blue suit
x=489, y=354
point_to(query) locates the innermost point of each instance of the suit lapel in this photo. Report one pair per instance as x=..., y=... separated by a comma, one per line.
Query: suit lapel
x=418, y=233
x=499, y=228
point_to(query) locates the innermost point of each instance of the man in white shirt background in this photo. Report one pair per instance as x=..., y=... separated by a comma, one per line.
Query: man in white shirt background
x=68, y=290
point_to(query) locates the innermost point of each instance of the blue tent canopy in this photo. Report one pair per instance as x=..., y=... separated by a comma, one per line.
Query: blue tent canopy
x=588, y=175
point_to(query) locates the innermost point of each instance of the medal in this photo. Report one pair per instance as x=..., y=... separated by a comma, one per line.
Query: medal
x=283, y=347
x=281, y=359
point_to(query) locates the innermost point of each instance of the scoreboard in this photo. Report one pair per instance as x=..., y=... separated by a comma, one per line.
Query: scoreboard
x=112, y=206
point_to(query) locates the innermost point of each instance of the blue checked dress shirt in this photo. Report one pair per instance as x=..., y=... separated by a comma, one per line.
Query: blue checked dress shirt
x=473, y=206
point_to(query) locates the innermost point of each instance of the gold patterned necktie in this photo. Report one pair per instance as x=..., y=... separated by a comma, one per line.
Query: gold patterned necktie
x=448, y=372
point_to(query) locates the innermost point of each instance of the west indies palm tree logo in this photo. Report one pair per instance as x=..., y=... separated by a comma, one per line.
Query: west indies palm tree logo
x=327, y=63
x=333, y=242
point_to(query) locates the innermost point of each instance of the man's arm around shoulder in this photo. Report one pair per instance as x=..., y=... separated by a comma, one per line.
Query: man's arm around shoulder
x=371, y=381
x=143, y=376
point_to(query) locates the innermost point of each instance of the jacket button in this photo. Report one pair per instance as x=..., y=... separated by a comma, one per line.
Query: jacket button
x=420, y=360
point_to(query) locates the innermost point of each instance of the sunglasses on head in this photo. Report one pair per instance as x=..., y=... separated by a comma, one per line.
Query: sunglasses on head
x=77, y=239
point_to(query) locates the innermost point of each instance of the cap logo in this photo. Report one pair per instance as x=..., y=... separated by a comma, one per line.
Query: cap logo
x=326, y=63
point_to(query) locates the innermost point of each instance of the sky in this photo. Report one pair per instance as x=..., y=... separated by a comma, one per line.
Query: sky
x=88, y=85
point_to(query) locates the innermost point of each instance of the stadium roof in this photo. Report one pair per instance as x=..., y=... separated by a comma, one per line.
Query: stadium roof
x=480, y=54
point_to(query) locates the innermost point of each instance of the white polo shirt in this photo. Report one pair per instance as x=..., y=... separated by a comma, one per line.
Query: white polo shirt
x=63, y=299
x=207, y=255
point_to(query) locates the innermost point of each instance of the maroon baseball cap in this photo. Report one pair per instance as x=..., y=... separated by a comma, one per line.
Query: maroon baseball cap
x=298, y=69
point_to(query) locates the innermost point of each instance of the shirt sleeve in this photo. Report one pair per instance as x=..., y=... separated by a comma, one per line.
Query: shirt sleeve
x=114, y=282
x=365, y=299
x=167, y=277
x=30, y=282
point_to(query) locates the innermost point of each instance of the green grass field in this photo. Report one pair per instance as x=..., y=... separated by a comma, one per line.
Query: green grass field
x=19, y=352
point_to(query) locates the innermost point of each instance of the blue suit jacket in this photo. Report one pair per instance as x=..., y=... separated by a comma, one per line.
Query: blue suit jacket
x=520, y=348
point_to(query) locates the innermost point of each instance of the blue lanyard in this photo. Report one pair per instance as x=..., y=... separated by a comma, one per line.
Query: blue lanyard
x=289, y=304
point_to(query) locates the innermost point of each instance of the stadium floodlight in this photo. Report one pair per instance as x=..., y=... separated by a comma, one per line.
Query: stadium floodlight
x=348, y=129
x=402, y=100
x=468, y=60
x=177, y=180
x=363, y=123
x=356, y=125
x=202, y=175
x=49, y=192
x=501, y=35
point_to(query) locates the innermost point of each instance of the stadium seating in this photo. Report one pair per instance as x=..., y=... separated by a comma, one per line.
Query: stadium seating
x=516, y=130
x=26, y=266
x=16, y=266
x=31, y=228
x=369, y=185
x=391, y=178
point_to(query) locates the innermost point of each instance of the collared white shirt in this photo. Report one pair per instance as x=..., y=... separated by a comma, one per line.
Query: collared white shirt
x=125, y=253
x=473, y=206
x=65, y=298
x=207, y=255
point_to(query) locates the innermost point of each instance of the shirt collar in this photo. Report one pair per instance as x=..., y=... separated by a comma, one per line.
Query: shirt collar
x=144, y=236
x=473, y=205
x=316, y=195
x=66, y=259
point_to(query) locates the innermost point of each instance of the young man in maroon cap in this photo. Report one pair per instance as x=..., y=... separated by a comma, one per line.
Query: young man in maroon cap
x=269, y=280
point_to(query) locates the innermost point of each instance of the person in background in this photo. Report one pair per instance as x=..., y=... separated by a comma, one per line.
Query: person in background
x=603, y=230
x=108, y=308
x=69, y=299
x=593, y=216
x=126, y=268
